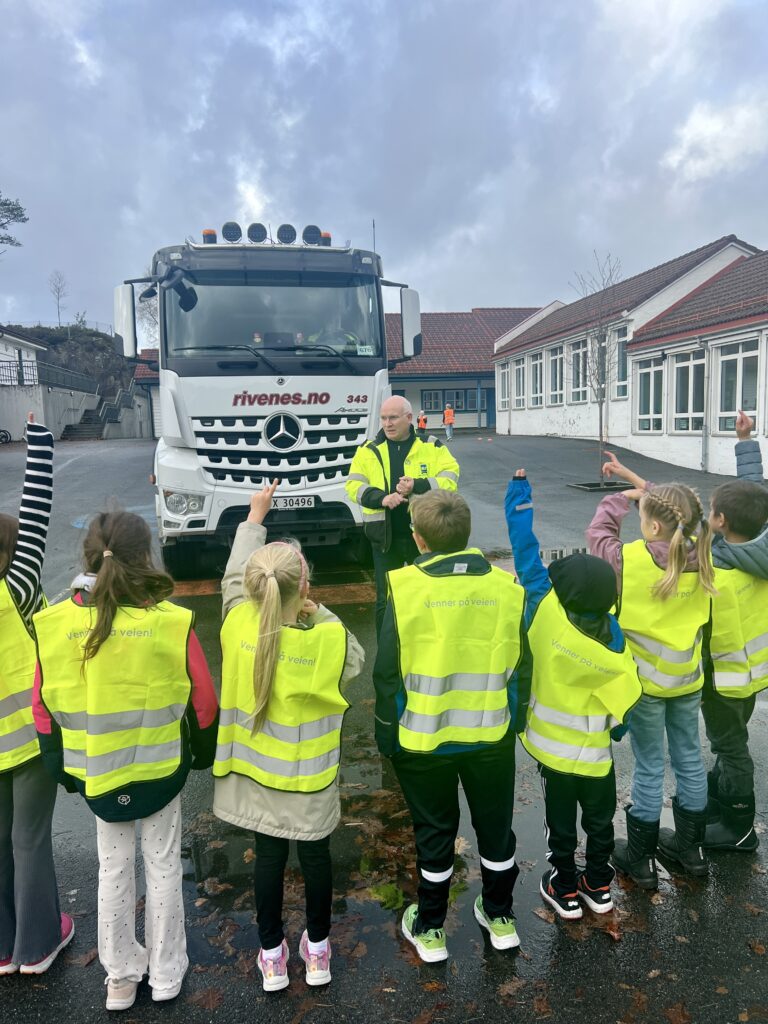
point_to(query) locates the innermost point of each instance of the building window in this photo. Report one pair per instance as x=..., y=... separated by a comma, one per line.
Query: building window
x=689, y=390
x=504, y=386
x=555, y=358
x=537, y=379
x=738, y=383
x=520, y=383
x=622, y=383
x=456, y=398
x=579, y=371
x=432, y=401
x=650, y=394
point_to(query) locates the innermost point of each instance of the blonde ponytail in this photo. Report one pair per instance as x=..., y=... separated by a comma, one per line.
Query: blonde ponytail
x=678, y=509
x=274, y=578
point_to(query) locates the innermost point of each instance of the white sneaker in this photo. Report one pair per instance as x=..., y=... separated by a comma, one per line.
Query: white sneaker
x=121, y=994
x=162, y=995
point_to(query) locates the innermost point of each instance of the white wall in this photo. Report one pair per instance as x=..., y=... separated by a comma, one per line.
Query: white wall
x=63, y=407
x=15, y=403
x=413, y=390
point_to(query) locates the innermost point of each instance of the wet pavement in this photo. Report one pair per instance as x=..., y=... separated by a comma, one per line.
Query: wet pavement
x=692, y=953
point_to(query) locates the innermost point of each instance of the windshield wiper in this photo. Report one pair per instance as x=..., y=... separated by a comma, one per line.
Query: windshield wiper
x=229, y=348
x=327, y=350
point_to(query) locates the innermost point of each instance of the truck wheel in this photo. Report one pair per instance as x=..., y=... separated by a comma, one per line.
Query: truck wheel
x=184, y=561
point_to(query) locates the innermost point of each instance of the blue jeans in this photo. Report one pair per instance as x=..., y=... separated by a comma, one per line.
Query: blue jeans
x=679, y=718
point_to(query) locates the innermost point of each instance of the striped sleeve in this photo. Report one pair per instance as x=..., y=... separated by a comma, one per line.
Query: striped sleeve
x=25, y=571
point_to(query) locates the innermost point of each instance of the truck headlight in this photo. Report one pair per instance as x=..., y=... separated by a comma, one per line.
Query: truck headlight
x=180, y=504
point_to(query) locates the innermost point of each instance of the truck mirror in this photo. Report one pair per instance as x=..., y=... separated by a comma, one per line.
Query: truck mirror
x=125, y=321
x=410, y=320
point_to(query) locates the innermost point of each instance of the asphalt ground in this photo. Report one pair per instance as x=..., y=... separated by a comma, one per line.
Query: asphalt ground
x=693, y=953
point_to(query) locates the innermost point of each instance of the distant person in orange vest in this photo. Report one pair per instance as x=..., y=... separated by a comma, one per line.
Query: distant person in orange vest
x=421, y=425
x=449, y=418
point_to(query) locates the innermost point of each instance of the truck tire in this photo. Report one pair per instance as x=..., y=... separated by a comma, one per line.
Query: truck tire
x=184, y=561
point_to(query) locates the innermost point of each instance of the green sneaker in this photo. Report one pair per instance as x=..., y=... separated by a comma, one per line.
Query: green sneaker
x=502, y=930
x=429, y=945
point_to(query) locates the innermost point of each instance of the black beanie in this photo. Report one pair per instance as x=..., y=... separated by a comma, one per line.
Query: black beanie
x=584, y=584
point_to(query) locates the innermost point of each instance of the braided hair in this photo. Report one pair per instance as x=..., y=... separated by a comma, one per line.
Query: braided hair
x=678, y=510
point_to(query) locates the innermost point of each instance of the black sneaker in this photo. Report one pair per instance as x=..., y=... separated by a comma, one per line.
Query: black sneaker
x=598, y=900
x=565, y=905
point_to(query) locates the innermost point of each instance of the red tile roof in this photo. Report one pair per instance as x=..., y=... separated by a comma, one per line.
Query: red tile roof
x=626, y=294
x=454, y=342
x=739, y=292
x=144, y=374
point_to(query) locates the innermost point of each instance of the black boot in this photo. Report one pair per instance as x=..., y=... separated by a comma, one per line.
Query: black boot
x=683, y=844
x=713, y=797
x=735, y=828
x=634, y=856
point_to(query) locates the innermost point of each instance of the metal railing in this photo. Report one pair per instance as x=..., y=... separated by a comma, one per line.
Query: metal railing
x=13, y=372
x=58, y=377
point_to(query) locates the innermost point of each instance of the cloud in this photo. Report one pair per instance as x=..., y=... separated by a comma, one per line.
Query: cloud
x=719, y=141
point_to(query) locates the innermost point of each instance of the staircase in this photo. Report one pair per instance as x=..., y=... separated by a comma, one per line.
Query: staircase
x=93, y=421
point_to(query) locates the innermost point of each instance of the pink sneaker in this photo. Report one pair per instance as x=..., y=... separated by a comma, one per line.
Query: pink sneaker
x=318, y=964
x=7, y=966
x=274, y=972
x=67, y=934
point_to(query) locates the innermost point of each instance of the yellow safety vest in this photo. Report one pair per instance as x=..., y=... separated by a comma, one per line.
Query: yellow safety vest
x=580, y=690
x=18, y=736
x=298, y=747
x=121, y=717
x=459, y=643
x=664, y=636
x=370, y=468
x=739, y=643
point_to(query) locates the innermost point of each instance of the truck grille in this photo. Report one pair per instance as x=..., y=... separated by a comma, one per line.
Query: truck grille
x=233, y=450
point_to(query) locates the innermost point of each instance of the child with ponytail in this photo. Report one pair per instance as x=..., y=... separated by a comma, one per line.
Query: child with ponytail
x=285, y=663
x=125, y=706
x=666, y=583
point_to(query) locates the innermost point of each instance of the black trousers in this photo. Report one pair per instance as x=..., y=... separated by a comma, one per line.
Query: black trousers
x=563, y=795
x=726, y=720
x=402, y=551
x=268, y=872
x=430, y=785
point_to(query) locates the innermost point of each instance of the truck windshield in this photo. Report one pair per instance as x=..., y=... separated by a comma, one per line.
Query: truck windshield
x=289, y=312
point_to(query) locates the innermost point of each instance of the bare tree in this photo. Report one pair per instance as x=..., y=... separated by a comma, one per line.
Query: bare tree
x=597, y=287
x=148, y=315
x=57, y=284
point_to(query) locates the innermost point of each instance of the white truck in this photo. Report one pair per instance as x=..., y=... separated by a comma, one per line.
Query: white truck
x=272, y=363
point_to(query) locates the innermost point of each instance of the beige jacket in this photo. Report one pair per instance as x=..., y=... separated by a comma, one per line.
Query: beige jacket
x=242, y=801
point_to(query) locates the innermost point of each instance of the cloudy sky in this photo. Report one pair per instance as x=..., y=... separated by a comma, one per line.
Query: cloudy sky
x=495, y=142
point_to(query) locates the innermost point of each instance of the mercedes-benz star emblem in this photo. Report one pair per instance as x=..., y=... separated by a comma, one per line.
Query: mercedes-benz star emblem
x=282, y=432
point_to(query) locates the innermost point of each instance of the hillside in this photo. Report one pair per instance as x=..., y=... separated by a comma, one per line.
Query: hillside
x=83, y=350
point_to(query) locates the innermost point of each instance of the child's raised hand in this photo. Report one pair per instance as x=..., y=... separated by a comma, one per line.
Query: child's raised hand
x=307, y=609
x=615, y=468
x=30, y=417
x=744, y=426
x=633, y=493
x=261, y=503
x=520, y=474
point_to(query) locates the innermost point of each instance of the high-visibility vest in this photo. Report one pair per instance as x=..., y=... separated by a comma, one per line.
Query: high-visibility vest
x=664, y=636
x=121, y=714
x=459, y=643
x=18, y=736
x=449, y=416
x=580, y=690
x=421, y=422
x=298, y=747
x=739, y=643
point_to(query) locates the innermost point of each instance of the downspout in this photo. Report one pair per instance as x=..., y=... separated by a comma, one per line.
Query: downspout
x=706, y=420
x=479, y=410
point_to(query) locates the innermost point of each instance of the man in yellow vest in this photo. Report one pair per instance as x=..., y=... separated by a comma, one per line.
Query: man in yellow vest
x=450, y=694
x=585, y=682
x=737, y=668
x=385, y=474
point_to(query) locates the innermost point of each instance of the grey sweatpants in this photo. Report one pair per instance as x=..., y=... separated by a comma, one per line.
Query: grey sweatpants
x=30, y=924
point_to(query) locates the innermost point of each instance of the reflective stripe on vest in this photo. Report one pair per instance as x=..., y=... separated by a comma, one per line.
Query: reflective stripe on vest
x=665, y=636
x=121, y=715
x=739, y=643
x=297, y=748
x=580, y=688
x=459, y=643
x=18, y=736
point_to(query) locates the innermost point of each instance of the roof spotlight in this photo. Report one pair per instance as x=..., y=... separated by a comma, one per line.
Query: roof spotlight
x=231, y=231
x=286, y=234
x=209, y=236
x=257, y=232
x=311, y=235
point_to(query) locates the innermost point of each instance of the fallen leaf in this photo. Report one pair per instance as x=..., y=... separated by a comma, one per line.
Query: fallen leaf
x=359, y=951
x=433, y=986
x=721, y=990
x=654, y=973
x=682, y=939
x=757, y=947
x=215, y=844
x=744, y=1015
x=207, y=999
x=544, y=914
x=694, y=915
x=85, y=958
x=461, y=846
x=678, y=1014
x=213, y=887
x=541, y=1007
x=511, y=987
x=201, y=901
x=753, y=910
x=249, y=856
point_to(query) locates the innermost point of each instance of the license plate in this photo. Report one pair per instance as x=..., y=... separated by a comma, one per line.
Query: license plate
x=297, y=501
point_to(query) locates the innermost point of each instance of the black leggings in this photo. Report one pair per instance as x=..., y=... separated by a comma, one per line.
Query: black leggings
x=268, y=871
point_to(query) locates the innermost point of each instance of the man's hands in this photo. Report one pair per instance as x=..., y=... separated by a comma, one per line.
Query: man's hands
x=261, y=503
x=744, y=426
x=393, y=500
x=404, y=486
x=614, y=468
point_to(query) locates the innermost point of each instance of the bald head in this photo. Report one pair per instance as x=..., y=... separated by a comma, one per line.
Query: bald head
x=396, y=418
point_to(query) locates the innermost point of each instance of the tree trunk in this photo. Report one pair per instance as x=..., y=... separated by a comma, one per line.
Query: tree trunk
x=600, y=440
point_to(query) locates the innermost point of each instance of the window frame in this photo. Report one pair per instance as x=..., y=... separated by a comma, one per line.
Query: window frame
x=519, y=394
x=653, y=368
x=556, y=356
x=536, y=370
x=580, y=395
x=621, y=384
x=503, y=386
x=425, y=402
x=692, y=360
x=725, y=355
